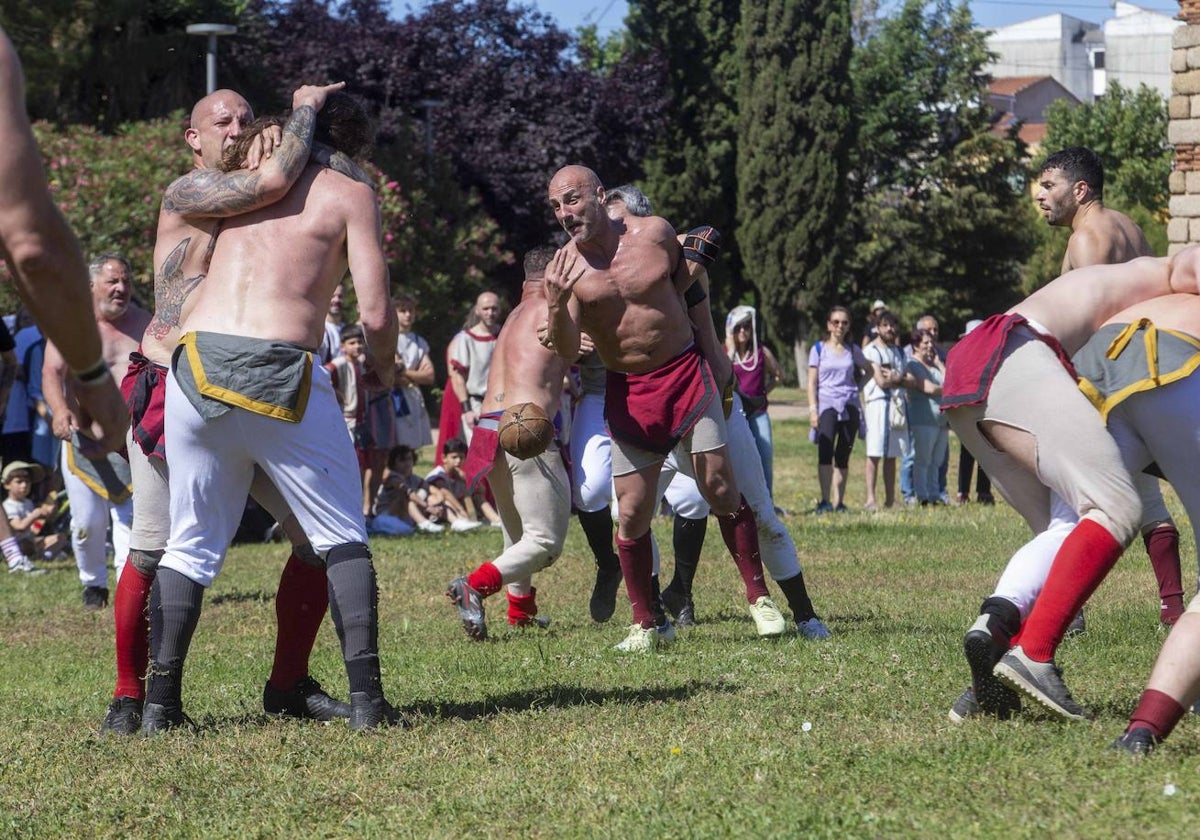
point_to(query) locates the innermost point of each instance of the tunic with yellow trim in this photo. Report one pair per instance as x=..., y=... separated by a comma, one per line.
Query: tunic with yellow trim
x=219, y=372
x=1121, y=360
x=108, y=476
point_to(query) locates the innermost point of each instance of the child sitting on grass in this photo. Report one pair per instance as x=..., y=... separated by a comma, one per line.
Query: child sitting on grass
x=448, y=488
x=402, y=504
x=26, y=519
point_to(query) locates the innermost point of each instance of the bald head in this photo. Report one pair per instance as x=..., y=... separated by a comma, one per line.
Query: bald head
x=487, y=310
x=217, y=120
x=577, y=198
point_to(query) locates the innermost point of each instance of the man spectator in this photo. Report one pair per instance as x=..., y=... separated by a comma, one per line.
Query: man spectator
x=48, y=267
x=335, y=322
x=472, y=356
x=872, y=331
x=272, y=273
x=100, y=488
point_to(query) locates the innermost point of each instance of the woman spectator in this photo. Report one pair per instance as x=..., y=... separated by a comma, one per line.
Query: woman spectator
x=887, y=434
x=928, y=429
x=757, y=373
x=835, y=367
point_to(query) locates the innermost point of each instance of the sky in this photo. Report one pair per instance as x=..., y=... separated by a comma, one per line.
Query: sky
x=608, y=15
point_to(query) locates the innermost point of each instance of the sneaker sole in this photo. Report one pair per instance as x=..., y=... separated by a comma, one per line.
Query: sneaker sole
x=993, y=696
x=1024, y=684
x=474, y=630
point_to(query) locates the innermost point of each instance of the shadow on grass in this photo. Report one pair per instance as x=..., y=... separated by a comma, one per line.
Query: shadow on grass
x=236, y=597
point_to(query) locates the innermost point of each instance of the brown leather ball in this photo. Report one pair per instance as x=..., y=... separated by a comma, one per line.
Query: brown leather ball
x=525, y=430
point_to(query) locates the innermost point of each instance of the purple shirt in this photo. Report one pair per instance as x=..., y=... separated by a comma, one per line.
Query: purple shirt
x=836, y=383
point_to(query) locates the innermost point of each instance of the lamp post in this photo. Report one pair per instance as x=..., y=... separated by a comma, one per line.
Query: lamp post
x=213, y=31
x=429, y=105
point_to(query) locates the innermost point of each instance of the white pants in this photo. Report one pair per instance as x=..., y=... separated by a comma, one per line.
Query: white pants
x=312, y=463
x=90, y=516
x=533, y=498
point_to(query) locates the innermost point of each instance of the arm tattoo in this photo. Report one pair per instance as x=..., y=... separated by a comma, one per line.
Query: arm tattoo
x=171, y=289
x=208, y=192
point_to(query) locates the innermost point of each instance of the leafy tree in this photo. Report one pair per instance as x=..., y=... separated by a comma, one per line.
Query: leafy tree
x=691, y=166
x=941, y=219
x=794, y=137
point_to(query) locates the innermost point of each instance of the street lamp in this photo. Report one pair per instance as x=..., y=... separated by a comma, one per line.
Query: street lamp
x=213, y=31
x=429, y=105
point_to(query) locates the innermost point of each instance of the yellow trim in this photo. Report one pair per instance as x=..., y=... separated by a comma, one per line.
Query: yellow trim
x=225, y=395
x=99, y=489
x=1154, y=379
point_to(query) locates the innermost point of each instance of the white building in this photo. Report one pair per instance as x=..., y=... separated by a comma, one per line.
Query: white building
x=1133, y=48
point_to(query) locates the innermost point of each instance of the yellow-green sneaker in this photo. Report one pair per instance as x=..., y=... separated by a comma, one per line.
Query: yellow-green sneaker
x=645, y=639
x=767, y=617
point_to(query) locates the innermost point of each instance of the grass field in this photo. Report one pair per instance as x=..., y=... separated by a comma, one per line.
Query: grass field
x=551, y=734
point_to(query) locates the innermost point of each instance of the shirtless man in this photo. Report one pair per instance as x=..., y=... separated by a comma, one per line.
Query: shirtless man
x=244, y=390
x=182, y=249
x=1011, y=398
x=100, y=487
x=533, y=496
x=624, y=283
x=1140, y=371
x=1071, y=195
x=44, y=256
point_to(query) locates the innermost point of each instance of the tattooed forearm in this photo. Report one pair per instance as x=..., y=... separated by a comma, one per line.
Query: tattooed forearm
x=171, y=290
x=207, y=192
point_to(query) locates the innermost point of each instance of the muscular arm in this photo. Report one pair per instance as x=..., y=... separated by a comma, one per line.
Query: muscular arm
x=54, y=380
x=562, y=306
x=369, y=273
x=704, y=329
x=1086, y=247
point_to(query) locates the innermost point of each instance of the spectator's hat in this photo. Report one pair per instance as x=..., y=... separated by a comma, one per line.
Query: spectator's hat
x=972, y=324
x=737, y=315
x=36, y=472
x=877, y=305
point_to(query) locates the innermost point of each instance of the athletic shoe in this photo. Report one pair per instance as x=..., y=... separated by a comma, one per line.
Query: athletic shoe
x=157, y=718
x=25, y=566
x=767, y=617
x=470, y=607
x=604, y=594
x=983, y=651
x=306, y=699
x=95, y=597
x=813, y=629
x=537, y=622
x=966, y=706
x=1078, y=625
x=124, y=716
x=1041, y=681
x=645, y=639
x=428, y=527
x=841, y=508
x=823, y=507
x=681, y=607
x=460, y=526
x=369, y=711
x=1138, y=741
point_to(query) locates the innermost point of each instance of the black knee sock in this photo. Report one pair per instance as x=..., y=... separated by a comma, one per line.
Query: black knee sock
x=1004, y=619
x=175, y=603
x=688, y=543
x=656, y=604
x=354, y=605
x=598, y=528
x=797, y=597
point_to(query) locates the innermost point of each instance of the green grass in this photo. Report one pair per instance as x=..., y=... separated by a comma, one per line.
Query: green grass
x=550, y=734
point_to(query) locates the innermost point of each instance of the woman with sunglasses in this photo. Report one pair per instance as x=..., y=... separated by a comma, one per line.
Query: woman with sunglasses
x=757, y=373
x=836, y=366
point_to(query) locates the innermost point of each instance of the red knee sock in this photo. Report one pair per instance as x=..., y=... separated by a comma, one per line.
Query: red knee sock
x=1162, y=544
x=132, y=631
x=1158, y=712
x=486, y=580
x=300, y=607
x=522, y=609
x=1085, y=558
x=740, y=532
x=637, y=564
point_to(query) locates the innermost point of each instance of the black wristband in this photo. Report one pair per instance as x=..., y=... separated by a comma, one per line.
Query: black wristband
x=94, y=374
x=695, y=294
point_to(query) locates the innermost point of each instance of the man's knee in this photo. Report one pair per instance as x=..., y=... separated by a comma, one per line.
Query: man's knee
x=145, y=562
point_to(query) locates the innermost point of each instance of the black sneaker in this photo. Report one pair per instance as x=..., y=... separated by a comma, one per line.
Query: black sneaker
x=95, y=597
x=124, y=717
x=1041, y=681
x=1077, y=627
x=604, y=594
x=470, y=610
x=306, y=699
x=681, y=607
x=157, y=718
x=966, y=706
x=372, y=712
x=1138, y=741
x=983, y=651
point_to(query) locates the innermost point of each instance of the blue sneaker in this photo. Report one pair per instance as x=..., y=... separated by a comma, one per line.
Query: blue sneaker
x=823, y=507
x=814, y=630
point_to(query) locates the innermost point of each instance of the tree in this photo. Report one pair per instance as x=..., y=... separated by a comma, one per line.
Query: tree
x=691, y=165
x=794, y=136
x=941, y=220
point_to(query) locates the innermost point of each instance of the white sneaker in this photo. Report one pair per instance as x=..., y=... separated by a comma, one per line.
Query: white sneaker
x=428, y=527
x=25, y=566
x=645, y=639
x=463, y=525
x=767, y=617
